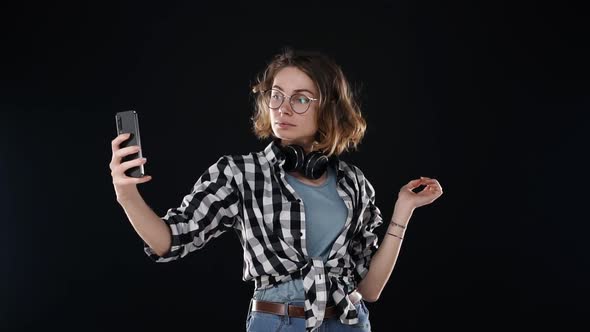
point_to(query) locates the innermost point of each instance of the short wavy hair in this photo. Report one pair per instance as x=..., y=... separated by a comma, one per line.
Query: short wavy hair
x=341, y=125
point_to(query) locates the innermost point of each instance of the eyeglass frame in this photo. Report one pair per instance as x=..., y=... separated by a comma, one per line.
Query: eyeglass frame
x=289, y=97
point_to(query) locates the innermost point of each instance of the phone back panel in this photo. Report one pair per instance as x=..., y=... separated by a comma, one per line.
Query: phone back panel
x=128, y=122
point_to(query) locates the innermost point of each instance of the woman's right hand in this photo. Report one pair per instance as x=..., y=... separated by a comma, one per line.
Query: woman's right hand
x=125, y=186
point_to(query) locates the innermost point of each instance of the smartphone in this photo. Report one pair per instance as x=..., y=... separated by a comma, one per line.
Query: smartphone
x=128, y=122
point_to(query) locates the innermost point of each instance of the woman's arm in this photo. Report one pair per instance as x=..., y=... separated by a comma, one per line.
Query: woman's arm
x=384, y=259
x=147, y=223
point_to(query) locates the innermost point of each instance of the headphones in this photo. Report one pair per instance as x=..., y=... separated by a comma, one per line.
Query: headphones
x=312, y=166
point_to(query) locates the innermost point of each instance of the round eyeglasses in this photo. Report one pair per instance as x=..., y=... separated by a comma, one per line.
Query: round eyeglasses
x=299, y=102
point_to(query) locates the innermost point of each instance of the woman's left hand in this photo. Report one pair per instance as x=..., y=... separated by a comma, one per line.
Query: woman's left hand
x=427, y=195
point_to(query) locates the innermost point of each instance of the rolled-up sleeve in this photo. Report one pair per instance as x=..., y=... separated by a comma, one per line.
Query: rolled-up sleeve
x=365, y=242
x=206, y=213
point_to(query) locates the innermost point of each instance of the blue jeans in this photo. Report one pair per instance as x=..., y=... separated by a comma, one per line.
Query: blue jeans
x=264, y=322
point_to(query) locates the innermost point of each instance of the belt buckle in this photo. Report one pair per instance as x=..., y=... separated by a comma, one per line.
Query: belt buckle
x=286, y=312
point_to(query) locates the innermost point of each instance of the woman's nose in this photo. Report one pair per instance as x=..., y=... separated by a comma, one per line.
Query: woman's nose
x=285, y=106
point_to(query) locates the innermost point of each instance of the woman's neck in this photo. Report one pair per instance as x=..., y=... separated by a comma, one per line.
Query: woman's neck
x=307, y=146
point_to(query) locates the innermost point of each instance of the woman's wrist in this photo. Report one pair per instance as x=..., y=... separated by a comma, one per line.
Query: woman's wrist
x=399, y=222
x=403, y=208
x=402, y=214
x=396, y=230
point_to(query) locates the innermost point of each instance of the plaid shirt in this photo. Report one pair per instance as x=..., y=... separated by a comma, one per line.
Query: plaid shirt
x=249, y=194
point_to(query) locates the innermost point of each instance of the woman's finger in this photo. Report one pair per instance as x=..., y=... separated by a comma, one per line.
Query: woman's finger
x=131, y=180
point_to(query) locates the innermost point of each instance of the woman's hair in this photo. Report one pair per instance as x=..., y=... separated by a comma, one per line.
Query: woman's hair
x=340, y=123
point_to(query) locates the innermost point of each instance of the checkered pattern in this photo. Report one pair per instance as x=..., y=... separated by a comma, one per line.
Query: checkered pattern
x=249, y=194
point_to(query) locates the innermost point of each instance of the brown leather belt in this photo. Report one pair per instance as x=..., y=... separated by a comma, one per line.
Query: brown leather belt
x=298, y=311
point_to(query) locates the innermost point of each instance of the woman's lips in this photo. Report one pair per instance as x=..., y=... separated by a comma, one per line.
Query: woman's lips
x=284, y=125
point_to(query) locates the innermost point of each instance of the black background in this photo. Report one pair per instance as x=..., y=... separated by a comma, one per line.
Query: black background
x=489, y=99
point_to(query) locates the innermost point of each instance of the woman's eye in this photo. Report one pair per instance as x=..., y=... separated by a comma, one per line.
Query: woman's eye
x=302, y=100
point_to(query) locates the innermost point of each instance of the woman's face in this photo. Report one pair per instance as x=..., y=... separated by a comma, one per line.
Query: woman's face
x=290, y=81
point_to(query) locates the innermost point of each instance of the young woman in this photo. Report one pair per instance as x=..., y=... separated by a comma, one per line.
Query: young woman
x=305, y=218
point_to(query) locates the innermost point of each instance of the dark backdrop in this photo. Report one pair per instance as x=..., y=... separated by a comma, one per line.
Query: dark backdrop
x=490, y=99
